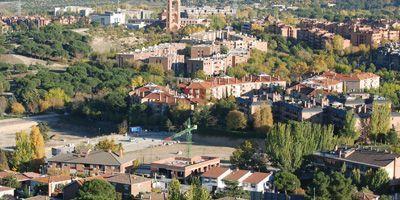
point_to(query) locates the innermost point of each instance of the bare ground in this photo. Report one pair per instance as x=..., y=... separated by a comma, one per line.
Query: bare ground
x=19, y=59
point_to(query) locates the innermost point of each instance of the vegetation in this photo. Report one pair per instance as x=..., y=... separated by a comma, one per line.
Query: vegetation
x=286, y=182
x=246, y=156
x=263, y=119
x=236, y=120
x=97, y=189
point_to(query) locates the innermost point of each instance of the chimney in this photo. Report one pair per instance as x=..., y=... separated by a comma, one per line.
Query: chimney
x=121, y=153
x=340, y=153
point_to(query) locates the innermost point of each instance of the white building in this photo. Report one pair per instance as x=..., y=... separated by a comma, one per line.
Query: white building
x=6, y=191
x=110, y=18
x=215, y=178
x=82, y=11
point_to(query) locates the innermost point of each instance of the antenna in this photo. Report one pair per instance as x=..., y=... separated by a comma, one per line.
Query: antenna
x=117, y=4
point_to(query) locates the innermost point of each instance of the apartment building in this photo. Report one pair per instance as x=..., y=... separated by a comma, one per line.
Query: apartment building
x=363, y=159
x=204, y=50
x=183, y=168
x=222, y=87
x=388, y=56
x=319, y=38
x=91, y=163
x=372, y=37
x=354, y=82
x=215, y=179
x=283, y=30
x=173, y=62
x=297, y=110
x=37, y=21
x=161, y=50
x=82, y=11
x=205, y=11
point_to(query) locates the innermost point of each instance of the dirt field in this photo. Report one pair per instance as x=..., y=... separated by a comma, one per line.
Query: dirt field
x=18, y=59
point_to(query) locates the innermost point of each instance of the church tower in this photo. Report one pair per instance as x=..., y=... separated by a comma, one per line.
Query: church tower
x=174, y=16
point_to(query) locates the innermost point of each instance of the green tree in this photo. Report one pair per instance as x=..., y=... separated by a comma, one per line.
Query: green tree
x=380, y=119
x=44, y=130
x=232, y=189
x=356, y=176
x=200, y=74
x=197, y=192
x=3, y=105
x=23, y=153
x=217, y=22
x=236, y=120
x=263, y=119
x=57, y=98
x=340, y=187
x=247, y=157
x=392, y=137
x=108, y=145
x=320, y=187
x=10, y=181
x=286, y=182
x=377, y=180
x=97, y=190
x=174, y=190
x=349, y=129
x=3, y=161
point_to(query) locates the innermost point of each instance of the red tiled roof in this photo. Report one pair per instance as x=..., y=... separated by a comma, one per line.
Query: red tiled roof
x=236, y=175
x=52, y=179
x=215, y=172
x=256, y=177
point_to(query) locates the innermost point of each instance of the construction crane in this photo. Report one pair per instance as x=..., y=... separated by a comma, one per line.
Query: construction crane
x=188, y=131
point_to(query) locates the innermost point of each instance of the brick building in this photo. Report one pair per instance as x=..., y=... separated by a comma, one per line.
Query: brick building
x=283, y=30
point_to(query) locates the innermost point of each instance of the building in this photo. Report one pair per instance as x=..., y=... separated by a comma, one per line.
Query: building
x=283, y=30
x=6, y=192
x=138, y=14
x=110, y=18
x=297, y=111
x=222, y=87
x=130, y=185
x=91, y=163
x=173, y=15
x=363, y=159
x=183, y=168
x=215, y=179
x=387, y=56
x=204, y=50
x=51, y=185
x=372, y=37
x=206, y=11
x=82, y=11
x=319, y=38
x=161, y=50
x=173, y=61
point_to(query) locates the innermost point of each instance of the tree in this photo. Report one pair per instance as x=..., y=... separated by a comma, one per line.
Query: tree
x=57, y=98
x=3, y=105
x=286, y=144
x=97, y=189
x=23, y=153
x=200, y=74
x=263, y=119
x=320, y=186
x=232, y=189
x=197, y=192
x=10, y=181
x=377, y=180
x=217, y=22
x=247, y=157
x=340, y=187
x=286, y=182
x=356, y=176
x=44, y=130
x=380, y=119
x=123, y=127
x=137, y=81
x=17, y=108
x=349, y=129
x=236, y=120
x=337, y=43
x=3, y=161
x=37, y=143
x=174, y=190
x=108, y=145
x=392, y=137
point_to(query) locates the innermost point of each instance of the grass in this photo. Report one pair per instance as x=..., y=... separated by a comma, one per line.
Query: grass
x=230, y=133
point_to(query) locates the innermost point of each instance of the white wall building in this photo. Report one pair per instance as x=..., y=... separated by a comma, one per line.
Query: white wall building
x=110, y=18
x=6, y=191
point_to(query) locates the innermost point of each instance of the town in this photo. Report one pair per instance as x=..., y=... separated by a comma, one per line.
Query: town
x=182, y=100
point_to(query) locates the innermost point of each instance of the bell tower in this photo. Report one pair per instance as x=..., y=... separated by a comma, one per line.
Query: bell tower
x=174, y=16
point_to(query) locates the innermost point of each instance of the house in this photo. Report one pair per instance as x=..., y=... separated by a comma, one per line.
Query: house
x=257, y=182
x=23, y=178
x=212, y=179
x=215, y=179
x=363, y=159
x=130, y=185
x=183, y=168
x=91, y=163
x=71, y=190
x=50, y=185
x=6, y=192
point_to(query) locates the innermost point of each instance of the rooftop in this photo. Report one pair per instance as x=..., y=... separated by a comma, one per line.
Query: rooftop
x=127, y=179
x=256, y=177
x=236, y=175
x=215, y=172
x=94, y=157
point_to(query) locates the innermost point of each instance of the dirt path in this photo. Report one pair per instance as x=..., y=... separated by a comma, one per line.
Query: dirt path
x=19, y=59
